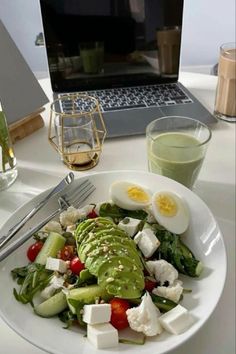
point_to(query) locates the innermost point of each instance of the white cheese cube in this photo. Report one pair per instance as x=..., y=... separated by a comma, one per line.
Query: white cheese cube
x=102, y=335
x=48, y=292
x=56, y=264
x=129, y=225
x=177, y=320
x=147, y=242
x=55, y=283
x=95, y=314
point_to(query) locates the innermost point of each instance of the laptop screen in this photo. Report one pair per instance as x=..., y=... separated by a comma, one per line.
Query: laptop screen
x=95, y=44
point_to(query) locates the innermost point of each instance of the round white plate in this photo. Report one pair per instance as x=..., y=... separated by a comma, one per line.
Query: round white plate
x=203, y=237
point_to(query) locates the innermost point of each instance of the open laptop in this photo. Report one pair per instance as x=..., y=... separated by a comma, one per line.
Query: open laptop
x=123, y=52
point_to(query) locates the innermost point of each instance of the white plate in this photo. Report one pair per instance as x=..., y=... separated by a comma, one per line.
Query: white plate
x=203, y=237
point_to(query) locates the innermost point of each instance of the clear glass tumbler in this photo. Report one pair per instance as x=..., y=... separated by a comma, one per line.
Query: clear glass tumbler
x=8, y=171
x=176, y=148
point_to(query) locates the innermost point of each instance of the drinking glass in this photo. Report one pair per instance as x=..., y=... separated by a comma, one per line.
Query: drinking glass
x=176, y=148
x=8, y=170
x=225, y=103
x=168, y=44
x=92, y=55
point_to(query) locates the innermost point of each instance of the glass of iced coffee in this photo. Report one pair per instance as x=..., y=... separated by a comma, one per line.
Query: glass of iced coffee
x=168, y=45
x=225, y=104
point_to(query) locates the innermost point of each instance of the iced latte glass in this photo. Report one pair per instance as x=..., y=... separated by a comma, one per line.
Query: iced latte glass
x=225, y=104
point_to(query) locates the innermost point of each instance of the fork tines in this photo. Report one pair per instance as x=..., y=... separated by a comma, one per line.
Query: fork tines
x=78, y=193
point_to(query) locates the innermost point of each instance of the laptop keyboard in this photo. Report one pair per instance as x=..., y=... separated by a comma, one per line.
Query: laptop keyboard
x=139, y=97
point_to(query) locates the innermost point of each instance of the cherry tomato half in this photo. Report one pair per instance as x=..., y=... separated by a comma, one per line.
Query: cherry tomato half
x=150, y=285
x=34, y=250
x=92, y=214
x=66, y=253
x=76, y=265
x=118, y=313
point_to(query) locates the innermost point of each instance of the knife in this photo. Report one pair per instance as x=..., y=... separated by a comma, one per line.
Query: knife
x=65, y=182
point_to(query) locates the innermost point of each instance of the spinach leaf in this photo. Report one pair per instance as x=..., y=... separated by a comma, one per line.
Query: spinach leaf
x=117, y=213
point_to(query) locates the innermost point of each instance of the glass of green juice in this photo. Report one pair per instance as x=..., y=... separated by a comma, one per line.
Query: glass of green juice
x=176, y=148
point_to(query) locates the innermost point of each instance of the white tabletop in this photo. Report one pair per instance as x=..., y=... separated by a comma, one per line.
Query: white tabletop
x=40, y=168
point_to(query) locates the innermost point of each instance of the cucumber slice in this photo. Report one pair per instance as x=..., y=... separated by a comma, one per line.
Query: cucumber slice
x=51, y=307
x=87, y=295
x=54, y=243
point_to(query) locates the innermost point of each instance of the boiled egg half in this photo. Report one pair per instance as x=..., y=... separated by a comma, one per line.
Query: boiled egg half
x=130, y=196
x=170, y=211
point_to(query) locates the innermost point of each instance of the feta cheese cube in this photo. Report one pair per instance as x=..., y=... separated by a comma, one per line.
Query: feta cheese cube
x=48, y=292
x=56, y=264
x=129, y=225
x=95, y=314
x=147, y=242
x=55, y=283
x=102, y=335
x=177, y=320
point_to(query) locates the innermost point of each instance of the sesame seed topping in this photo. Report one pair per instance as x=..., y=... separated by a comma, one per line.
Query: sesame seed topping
x=109, y=280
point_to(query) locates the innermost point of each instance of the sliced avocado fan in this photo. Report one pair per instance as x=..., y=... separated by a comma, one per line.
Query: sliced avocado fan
x=111, y=255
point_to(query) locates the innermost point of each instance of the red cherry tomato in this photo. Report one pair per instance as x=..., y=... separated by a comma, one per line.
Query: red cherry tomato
x=92, y=214
x=150, y=285
x=66, y=253
x=34, y=250
x=76, y=265
x=118, y=313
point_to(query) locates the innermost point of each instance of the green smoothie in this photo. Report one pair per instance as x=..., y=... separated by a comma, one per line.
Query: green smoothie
x=178, y=156
x=92, y=59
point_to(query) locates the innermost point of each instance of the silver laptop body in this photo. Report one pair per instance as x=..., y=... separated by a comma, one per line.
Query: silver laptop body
x=123, y=52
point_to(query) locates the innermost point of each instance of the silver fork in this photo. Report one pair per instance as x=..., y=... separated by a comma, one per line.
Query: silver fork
x=74, y=197
x=59, y=188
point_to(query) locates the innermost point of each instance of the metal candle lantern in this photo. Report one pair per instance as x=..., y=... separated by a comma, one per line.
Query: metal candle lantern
x=77, y=130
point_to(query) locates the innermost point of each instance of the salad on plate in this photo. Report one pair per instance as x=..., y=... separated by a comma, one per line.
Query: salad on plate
x=113, y=268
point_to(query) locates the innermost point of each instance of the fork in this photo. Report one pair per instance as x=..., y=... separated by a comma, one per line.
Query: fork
x=63, y=184
x=74, y=197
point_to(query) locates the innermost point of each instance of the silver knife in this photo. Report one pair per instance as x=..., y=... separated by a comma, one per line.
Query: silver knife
x=65, y=182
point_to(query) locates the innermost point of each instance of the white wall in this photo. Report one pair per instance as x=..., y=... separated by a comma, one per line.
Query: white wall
x=207, y=24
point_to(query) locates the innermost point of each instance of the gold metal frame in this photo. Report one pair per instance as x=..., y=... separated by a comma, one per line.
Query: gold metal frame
x=99, y=134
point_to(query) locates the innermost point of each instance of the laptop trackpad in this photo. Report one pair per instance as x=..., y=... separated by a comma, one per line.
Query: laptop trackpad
x=129, y=122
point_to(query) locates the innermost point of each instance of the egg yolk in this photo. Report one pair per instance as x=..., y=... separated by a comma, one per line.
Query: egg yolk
x=166, y=205
x=137, y=194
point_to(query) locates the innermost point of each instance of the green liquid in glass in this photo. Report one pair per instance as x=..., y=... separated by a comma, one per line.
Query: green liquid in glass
x=178, y=156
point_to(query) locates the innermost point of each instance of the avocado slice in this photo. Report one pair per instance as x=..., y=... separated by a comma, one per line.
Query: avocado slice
x=94, y=262
x=105, y=240
x=112, y=249
x=120, y=277
x=90, y=225
x=123, y=290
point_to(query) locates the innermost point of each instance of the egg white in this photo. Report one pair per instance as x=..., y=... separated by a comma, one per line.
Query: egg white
x=119, y=195
x=178, y=223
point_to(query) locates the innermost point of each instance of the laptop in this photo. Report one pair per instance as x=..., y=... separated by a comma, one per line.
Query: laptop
x=126, y=53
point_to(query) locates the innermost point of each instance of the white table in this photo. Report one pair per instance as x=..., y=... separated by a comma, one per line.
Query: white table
x=40, y=168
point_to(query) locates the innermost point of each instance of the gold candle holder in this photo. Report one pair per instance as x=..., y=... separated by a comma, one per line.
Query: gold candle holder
x=77, y=130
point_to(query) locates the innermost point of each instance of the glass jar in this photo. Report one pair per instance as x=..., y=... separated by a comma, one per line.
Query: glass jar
x=8, y=171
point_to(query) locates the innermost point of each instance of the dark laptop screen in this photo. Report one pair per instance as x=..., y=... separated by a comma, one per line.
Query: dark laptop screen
x=93, y=44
